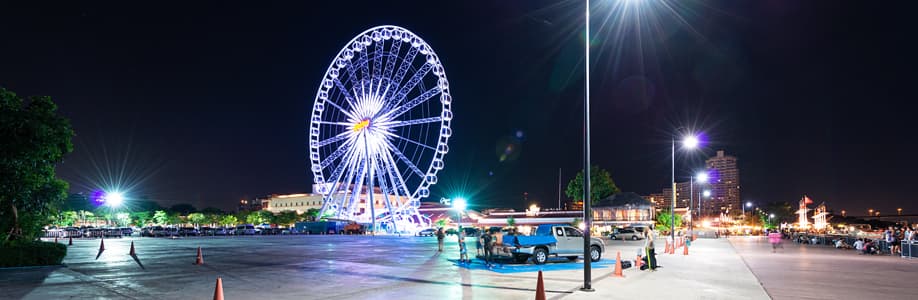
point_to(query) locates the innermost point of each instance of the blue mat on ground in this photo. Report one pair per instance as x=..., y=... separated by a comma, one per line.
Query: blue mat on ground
x=553, y=264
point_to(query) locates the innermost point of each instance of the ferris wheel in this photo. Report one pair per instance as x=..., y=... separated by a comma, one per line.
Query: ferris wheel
x=379, y=129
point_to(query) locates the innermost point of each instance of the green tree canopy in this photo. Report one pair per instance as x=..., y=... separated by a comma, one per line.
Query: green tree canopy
x=228, y=220
x=141, y=218
x=601, y=185
x=196, y=218
x=286, y=218
x=663, y=220
x=33, y=139
x=160, y=217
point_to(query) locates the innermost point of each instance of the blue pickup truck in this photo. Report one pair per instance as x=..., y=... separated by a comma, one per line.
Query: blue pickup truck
x=559, y=240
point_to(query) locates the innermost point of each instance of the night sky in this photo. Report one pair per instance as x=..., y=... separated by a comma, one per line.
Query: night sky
x=208, y=103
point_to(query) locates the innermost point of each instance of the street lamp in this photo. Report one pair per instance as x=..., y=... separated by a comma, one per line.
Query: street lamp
x=688, y=142
x=899, y=211
x=870, y=212
x=748, y=204
x=459, y=205
x=701, y=177
x=113, y=200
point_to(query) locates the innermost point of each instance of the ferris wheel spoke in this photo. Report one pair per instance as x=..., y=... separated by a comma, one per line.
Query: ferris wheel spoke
x=337, y=138
x=393, y=57
x=397, y=175
x=334, y=123
x=393, y=124
x=409, y=140
x=404, y=158
x=403, y=68
x=344, y=148
x=395, y=113
x=377, y=58
x=365, y=66
x=403, y=92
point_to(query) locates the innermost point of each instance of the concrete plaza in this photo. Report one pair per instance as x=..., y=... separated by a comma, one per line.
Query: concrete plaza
x=361, y=267
x=823, y=272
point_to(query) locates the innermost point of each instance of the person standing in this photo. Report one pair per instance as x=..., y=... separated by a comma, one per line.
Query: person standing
x=463, y=252
x=891, y=240
x=440, y=237
x=486, y=243
x=478, y=243
x=649, y=250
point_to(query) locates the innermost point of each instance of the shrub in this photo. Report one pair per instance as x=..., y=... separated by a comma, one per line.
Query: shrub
x=22, y=254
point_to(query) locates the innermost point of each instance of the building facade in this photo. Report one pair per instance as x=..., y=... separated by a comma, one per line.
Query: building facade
x=724, y=185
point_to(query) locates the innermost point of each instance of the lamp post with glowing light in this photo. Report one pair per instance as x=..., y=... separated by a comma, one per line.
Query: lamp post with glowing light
x=701, y=177
x=113, y=200
x=899, y=211
x=459, y=205
x=688, y=142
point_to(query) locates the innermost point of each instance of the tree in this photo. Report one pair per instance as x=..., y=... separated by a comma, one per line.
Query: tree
x=175, y=219
x=511, y=221
x=442, y=222
x=160, y=217
x=601, y=185
x=183, y=209
x=228, y=220
x=196, y=218
x=34, y=139
x=212, y=211
x=286, y=218
x=663, y=221
x=67, y=218
x=254, y=219
x=141, y=218
x=267, y=217
x=312, y=213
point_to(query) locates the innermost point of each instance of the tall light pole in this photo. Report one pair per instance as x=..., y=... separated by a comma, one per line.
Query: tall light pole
x=459, y=205
x=689, y=142
x=701, y=177
x=587, y=277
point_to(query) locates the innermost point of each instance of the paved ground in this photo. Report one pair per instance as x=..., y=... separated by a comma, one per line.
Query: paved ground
x=823, y=272
x=358, y=267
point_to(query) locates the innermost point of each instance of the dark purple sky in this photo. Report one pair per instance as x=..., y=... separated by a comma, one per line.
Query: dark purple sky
x=207, y=103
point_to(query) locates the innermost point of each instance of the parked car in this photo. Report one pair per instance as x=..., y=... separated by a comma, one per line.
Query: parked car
x=171, y=231
x=127, y=231
x=427, y=232
x=112, y=232
x=71, y=232
x=246, y=229
x=289, y=231
x=188, y=231
x=552, y=240
x=93, y=232
x=626, y=233
x=354, y=228
x=223, y=231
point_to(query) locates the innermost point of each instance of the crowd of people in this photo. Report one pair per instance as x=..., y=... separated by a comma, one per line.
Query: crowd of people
x=889, y=242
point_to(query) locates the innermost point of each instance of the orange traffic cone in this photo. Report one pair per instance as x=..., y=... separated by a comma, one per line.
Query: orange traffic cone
x=685, y=250
x=132, y=253
x=694, y=237
x=200, y=260
x=666, y=250
x=638, y=262
x=218, y=291
x=101, y=248
x=70, y=243
x=540, y=288
x=618, y=265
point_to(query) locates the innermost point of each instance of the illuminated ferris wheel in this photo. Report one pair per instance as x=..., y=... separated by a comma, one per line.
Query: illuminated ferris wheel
x=379, y=129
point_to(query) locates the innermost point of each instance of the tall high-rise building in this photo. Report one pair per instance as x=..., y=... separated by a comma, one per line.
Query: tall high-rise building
x=724, y=184
x=682, y=196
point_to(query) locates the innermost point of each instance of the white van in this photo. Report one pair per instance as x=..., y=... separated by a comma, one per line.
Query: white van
x=245, y=229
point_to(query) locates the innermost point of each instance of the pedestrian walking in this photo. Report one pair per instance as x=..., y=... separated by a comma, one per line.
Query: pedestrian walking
x=775, y=238
x=463, y=252
x=440, y=237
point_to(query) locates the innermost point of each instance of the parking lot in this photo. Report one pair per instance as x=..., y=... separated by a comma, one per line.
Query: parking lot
x=311, y=267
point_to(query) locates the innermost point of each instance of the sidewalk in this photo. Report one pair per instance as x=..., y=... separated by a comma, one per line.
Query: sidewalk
x=713, y=270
